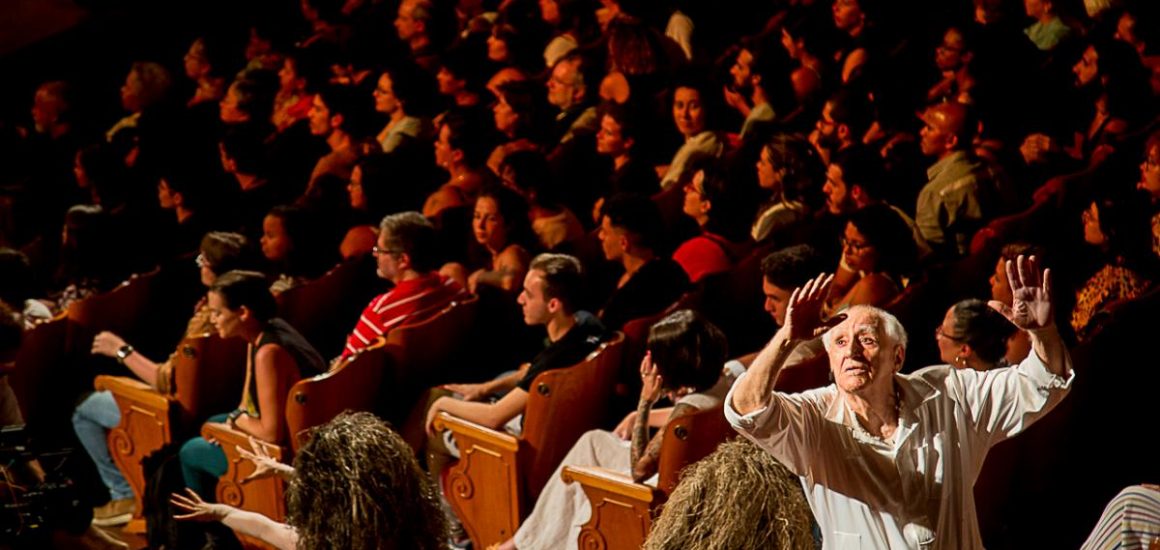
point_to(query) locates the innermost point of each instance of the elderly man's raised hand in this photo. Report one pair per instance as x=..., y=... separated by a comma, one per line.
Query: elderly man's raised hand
x=803, y=315
x=1031, y=288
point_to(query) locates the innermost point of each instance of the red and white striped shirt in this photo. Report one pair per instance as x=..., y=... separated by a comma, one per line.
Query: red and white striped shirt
x=410, y=301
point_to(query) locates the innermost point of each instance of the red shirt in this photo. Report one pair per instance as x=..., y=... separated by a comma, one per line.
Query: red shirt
x=410, y=301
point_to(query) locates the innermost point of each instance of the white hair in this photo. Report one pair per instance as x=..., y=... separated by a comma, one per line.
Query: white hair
x=890, y=324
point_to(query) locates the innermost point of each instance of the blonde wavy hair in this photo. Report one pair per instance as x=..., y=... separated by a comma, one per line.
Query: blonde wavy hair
x=737, y=498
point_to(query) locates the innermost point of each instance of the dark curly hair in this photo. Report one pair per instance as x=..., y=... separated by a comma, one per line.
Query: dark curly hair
x=357, y=485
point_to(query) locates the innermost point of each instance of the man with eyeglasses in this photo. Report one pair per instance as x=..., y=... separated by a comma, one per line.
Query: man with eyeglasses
x=407, y=255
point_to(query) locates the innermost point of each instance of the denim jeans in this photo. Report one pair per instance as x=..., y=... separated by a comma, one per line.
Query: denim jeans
x=92, y=420
x=202, y=463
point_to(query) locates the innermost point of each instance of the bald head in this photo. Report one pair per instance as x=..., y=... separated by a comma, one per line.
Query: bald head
x=949, y=127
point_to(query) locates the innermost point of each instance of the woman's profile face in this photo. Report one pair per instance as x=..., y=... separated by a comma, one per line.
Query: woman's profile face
x=275, y=242
x=488, y=224
x=857, y=250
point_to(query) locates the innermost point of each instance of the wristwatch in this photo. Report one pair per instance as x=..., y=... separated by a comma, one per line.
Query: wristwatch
x=124, y=352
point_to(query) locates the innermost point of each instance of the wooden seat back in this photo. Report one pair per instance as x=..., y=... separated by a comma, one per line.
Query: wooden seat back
x=352, y=385
x=326, y=309
x=42, y=359
x=122, y=311
x=689, y=439
x=203, y=366
x=562, y=405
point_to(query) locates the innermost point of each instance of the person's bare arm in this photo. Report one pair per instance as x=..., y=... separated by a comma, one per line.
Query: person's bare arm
x=646, y=458
x=106, y=343
x=490, y=415
x=1031, y=310
x=279, y=535
x=752, y=392
x=272, y=389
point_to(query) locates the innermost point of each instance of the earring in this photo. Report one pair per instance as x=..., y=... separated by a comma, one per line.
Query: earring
x=960, y=361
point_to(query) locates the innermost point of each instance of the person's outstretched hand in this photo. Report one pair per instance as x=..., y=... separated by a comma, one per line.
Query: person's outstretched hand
x=803, y=315
x=197, y=509
x=1031, y=289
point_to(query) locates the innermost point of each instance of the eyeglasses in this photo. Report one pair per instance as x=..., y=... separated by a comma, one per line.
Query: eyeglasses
x=855, y=245
x=379, y=251
x=939, y=333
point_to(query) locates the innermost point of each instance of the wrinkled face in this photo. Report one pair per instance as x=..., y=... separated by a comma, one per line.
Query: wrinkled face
x=1000, y=285
x=488, y=224
x=405, y=24
x=948, y=56
x=165, y=196
x=768, y=177
x=688, y=112
x=858, y=252
x=776, y=300
x=505, y=117
x=695, y=205
x=196, y=64
x=1150, y=172
x=740, y=70
x=1086, y=68
x=550, y=12
x=532, y=300
x=837, y=193
x=275, y=243
x=611, y=239
x=497, y=49
x=385, y=99
x=227, y=321
x=358, y=200
x=847, y=14
x=610, y=140
x=319, y=117
x=562, y=85
x=949, y=344
x=443, y=150
x=862, y=356
x=1092, y=234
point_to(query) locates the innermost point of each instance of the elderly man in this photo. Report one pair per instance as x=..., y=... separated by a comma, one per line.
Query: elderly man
x=887, y=459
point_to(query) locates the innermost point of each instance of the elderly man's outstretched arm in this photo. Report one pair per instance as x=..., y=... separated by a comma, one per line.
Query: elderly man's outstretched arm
x=753, y=391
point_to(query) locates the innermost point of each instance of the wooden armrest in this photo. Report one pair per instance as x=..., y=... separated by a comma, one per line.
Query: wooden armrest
x=478, y=434
x=263, y=496
x=485, y=486
x=132, y=389
x=610, y=481
x=621, y=510
x=149, y=421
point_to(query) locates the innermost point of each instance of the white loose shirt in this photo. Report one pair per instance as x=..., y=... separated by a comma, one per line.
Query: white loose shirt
x=916, y=492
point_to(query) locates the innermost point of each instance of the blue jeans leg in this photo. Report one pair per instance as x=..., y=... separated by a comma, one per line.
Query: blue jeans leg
x=202, y=464
x=92, y=420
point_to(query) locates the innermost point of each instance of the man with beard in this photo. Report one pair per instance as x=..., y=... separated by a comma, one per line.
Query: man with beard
x=845, y=119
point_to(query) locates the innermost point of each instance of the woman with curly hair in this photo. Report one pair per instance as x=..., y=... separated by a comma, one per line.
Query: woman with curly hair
x=737, y=497
x=354, y=463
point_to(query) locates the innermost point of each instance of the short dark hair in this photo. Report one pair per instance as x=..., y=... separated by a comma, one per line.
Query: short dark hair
x=354, y=107
x=851, y=108
x=563, y=278
x=981, y=327
x=248, y=289
x=687, y=350
x=887, y=232
x=469, y=133
x=225, y=251
x=636, y=215
x=625, y=116
x=863, y=168
x=414, y=235
x=792, y=266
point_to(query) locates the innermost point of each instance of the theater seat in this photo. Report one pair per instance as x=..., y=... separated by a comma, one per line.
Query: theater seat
x=622, y=510
x=150, y=420
x=499, y=476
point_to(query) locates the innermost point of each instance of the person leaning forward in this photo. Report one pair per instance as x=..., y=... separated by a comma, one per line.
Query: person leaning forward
x=889, y=459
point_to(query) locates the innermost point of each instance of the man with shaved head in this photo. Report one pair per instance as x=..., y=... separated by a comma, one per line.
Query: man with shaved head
x=889, y=460
x=960, y=195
